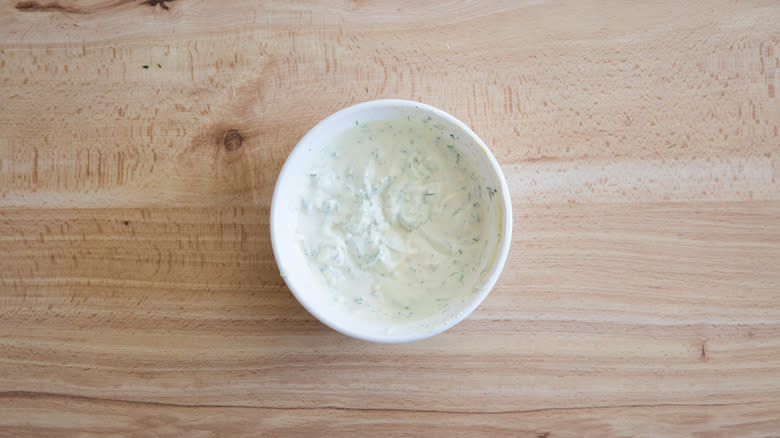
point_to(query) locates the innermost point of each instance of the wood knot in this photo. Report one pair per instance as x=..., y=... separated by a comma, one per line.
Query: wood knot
x=160, y=3
x=703, y=353
x=233, y=140
x=32, y=6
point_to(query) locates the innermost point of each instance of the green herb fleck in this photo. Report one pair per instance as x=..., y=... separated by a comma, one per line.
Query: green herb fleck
x=457, y=160
x=672, y=145
x=452, y=135
x=428, y=194
x=159, y=66
x=356, y=123
x=366, y=89
x=145, y=66
x=491, y=192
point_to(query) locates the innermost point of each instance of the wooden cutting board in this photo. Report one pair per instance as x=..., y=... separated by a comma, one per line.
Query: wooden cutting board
x=139, y=145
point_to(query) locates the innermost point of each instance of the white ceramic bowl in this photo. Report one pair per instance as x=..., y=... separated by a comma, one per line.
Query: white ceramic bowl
x=295, y=269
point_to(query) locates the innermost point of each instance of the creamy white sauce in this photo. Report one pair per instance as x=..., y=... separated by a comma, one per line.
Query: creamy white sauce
x=394, y=219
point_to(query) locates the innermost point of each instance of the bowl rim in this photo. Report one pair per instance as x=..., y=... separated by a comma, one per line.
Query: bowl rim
x=502, y=252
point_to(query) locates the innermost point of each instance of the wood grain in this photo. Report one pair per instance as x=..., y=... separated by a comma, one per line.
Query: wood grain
x=89, y=417
x=138, y=291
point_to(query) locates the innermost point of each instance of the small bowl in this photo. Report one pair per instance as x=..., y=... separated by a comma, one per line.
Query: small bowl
x=301, y=277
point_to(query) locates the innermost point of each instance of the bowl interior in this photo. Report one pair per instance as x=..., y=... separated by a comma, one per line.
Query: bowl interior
x=305, y=284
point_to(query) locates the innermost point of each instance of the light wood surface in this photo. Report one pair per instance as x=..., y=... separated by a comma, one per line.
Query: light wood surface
x=138, y=292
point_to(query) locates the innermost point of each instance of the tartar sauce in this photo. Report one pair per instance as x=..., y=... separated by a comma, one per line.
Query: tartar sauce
x=393, y=219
